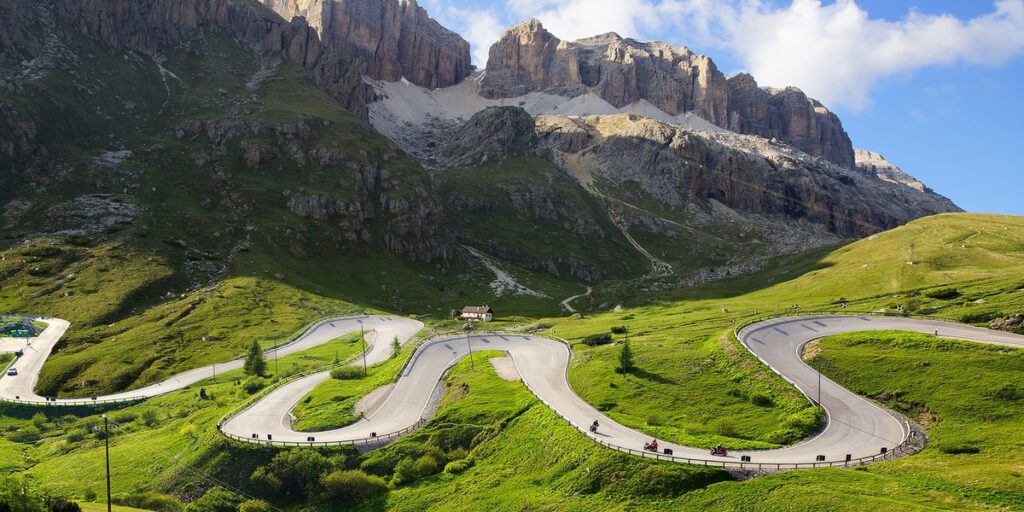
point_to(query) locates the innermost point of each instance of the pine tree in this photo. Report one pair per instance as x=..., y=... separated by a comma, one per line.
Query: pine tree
x=255, y=363
x=396, y=347
x=625, y=358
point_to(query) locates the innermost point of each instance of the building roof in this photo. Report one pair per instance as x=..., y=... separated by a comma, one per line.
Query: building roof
x=477, y=310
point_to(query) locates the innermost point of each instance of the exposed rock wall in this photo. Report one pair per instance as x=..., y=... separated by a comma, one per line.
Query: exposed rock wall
x=680, y=168
x=389, y=40
x=622, y=71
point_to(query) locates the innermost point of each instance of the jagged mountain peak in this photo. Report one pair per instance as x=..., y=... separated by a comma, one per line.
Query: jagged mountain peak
x=623, y=71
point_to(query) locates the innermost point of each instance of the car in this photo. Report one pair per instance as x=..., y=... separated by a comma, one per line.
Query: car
x=12, y=371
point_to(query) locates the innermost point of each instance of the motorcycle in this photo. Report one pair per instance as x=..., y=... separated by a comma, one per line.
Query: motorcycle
x=651, y=446
x=719, y=451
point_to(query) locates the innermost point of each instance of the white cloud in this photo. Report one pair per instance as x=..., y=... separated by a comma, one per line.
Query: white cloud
x=835, y=52
x=838, y=53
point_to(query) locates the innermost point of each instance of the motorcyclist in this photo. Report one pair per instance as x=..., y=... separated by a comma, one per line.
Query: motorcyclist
x=593, y=426
x=652, y=446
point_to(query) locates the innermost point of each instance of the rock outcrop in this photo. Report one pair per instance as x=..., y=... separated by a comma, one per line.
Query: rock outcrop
x=528, y=58
x=490, y=135
x=873, y=164
x=680, y=168
x=339, y=41
x=383, y=39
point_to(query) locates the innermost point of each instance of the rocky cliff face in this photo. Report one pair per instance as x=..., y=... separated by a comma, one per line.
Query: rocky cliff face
x=873, y=164
x=339, y=41
x=384, y=39
x=622, y=71
x=680, y=168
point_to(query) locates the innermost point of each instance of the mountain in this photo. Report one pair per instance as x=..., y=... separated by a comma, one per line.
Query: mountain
x=528, y=58
x=227, y=134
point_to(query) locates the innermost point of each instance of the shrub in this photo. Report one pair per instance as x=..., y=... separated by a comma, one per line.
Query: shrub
x=405, y=472
x=942, y=293
x=1007, y=392
x=253, y=384
x=429, y=464
x=148, y=501
x=254, y=506
x=124, y=417
x=352, y=485
x=217, y=499
x=149, y=417
x=654, y=420
x=458, y=466
x=189, y=430
x=39, y=420
x=620, y=329
x=347, y=373
x=725, y=428
x=292, y=471
x=761, y=400
x=593, y=340
x=958, y=448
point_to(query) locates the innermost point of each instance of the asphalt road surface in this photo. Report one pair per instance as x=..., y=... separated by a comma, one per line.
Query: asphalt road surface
x=855, y=426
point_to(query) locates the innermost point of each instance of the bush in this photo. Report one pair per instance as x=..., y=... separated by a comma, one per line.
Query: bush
x=458, y=466
x=405, y=472
x=254, y=506
x=253, y=384
x=217, y=499
x=352, y=485
x=1007, y=392
x=958, y=448
x=292, y=471
x=149, y=417
x=593, y=340
x=347, y=373
x=39, y=420
x=725, y=428
x=621, y=329
x=942, y=293
x=429, y=464
x=124, y=417
x=761, y=400
x=148, y=501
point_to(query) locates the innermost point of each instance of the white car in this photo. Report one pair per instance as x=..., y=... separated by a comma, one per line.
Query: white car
x=12, y=371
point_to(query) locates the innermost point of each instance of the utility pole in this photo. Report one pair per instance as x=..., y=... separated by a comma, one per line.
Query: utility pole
x=277, y=368
x=362, y=335
x=469, y=344
x=819, y=389
x=215, y=372
x=106, y=440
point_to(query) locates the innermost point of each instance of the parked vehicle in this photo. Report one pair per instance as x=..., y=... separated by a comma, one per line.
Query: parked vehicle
x=12, y=372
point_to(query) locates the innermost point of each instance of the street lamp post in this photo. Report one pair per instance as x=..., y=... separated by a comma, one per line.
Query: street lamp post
x=106, y=441
x=362, y=335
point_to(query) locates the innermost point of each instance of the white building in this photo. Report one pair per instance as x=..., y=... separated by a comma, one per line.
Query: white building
x=477, y=314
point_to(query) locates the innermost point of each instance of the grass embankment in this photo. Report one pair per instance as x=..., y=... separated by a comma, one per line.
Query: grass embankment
x=967, y=397
x=330, y=405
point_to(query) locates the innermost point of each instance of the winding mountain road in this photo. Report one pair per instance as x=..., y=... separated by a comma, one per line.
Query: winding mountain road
x=856, y=427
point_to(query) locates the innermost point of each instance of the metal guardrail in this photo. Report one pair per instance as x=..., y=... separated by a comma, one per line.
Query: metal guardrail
x=365, y=440
x=249, y=402
x=72, y=402
x=903, y=447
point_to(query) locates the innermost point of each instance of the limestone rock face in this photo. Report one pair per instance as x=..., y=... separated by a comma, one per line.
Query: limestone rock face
x=339, y=41
x=873, y=164
x=384, y=39
x=747, y=174
x=490, y=135
x=623, y=71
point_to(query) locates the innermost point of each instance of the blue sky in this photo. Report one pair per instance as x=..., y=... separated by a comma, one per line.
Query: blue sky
x=936, y=86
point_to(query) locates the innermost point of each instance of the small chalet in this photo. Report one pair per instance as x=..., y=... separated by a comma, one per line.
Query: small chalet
x=476, y=314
